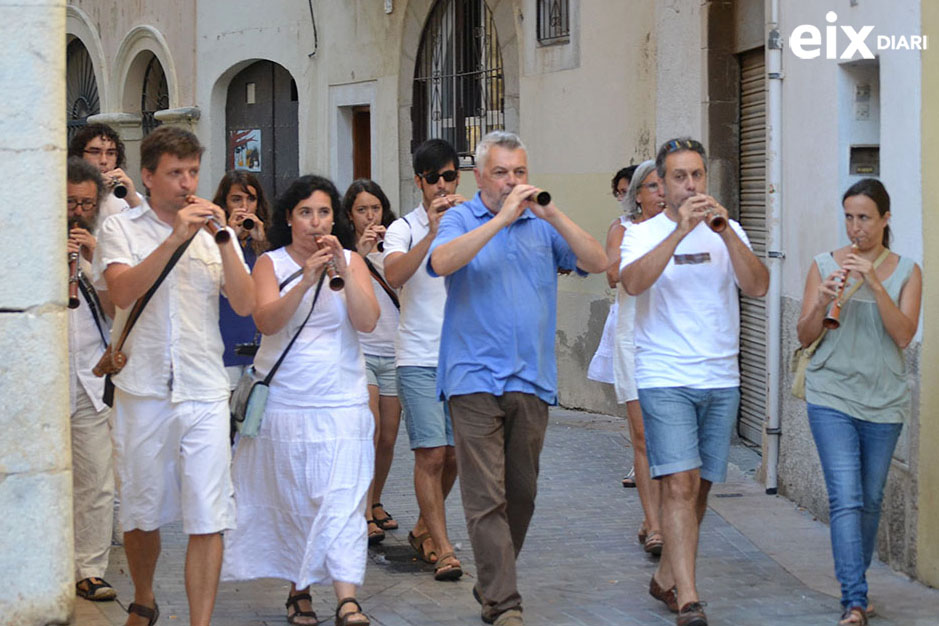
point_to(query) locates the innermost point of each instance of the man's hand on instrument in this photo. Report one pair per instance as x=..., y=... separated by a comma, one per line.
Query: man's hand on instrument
x=692, y=211
x=516, y=202
x=80, y=240
x=439, y=206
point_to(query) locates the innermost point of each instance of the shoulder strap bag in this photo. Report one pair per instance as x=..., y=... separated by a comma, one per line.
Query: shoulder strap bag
x=249, y=399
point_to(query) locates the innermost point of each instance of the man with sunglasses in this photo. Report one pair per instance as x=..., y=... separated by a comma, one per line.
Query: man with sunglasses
x=407, y=240
x=88, y=329
x=101, y=146
x=686, y=277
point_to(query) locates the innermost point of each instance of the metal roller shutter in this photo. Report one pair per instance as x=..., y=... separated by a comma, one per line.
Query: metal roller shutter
x=752, y=177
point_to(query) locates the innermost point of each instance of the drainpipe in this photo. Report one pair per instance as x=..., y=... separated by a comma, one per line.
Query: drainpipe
x=774, y=251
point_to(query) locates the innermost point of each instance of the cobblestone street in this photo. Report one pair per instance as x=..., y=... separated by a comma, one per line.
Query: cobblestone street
x=761, y=560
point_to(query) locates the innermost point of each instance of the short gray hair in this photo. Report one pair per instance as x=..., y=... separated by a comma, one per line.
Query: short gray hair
x=630, y=206
x=501, y=138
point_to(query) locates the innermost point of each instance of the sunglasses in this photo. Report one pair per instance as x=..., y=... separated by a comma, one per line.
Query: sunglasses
x=683, y=144
x=431, y=178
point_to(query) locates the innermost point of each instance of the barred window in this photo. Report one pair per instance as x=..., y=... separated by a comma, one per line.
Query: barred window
x=459, y=87
x=81, y=89
x=154, y=95
x=554, y=22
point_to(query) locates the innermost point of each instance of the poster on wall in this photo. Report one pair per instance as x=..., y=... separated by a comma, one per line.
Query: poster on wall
x=246, y=150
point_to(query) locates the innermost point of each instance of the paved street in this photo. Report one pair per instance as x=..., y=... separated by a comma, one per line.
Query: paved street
x=762, y=561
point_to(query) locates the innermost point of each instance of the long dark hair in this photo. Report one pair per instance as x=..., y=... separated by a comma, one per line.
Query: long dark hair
x=345, y=228
x=244, y=179
x=278, y=233
x=875, y=190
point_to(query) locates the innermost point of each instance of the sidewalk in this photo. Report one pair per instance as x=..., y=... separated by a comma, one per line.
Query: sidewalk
x=761, y=560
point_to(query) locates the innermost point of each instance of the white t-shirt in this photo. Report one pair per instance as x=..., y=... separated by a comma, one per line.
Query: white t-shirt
x=688, y=321
x=422, y=297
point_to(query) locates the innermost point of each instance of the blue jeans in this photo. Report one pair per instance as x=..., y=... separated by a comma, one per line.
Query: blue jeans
x=688, y=429
x=855, y=457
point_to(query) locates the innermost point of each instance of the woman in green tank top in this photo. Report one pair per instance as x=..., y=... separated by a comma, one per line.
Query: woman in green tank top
x=855, y=386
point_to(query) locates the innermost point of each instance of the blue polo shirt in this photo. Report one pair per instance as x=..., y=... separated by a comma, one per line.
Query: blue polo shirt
x=501, y=312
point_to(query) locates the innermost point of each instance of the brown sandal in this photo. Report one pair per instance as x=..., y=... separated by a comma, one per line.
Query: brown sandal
x=653, y=543
x=417, y=542
x=294, y=601
x=448, y=567
x=343, y=620
x=151, y=615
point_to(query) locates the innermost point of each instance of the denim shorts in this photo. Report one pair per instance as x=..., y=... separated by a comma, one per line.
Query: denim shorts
x=380, y=372
x=689, y=429
x=426, y=417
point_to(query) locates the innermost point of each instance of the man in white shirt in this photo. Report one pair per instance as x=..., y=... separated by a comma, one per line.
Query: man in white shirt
x=407, y=241
x=101, y=146
x=88, y=328
x=686, y=270
x=171, y=399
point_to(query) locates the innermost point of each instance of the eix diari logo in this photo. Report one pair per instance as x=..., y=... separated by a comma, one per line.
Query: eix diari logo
x=806, y=41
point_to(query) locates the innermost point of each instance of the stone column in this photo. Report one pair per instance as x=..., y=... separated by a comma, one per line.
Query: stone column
x=36, y=548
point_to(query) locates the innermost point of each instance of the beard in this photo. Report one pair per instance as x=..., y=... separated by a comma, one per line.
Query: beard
x=79, y=221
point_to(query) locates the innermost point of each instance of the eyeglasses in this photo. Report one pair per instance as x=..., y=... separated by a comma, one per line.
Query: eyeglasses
x=97, y=152
x=653, y=187
x=85, y=205
x=619, y=195
x=431, y=178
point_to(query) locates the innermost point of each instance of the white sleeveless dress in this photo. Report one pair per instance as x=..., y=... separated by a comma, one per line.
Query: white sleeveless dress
x=301, y=484
x=614, y=360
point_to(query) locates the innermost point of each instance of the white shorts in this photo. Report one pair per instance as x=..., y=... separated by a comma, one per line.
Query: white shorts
x=173, y=461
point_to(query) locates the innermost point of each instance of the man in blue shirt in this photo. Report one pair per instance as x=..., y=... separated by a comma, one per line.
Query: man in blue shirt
x=501, y=253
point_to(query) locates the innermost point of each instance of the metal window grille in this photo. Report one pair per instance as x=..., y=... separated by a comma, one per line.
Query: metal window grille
x=81, y=90
x=459, y=89
x=155, y=95
x=554, y=22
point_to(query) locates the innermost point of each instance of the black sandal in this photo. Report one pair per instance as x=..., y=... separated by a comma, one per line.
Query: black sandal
x=385, y=523
x=152, y=615
x=344, y=619
x=294, y=601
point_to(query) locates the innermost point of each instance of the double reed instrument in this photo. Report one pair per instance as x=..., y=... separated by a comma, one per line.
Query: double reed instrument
x=117, y=187
x=832, y=320
x=215, y=228
x=248, y=223
x=336, y=283
x=74, y=272
x=715, y=221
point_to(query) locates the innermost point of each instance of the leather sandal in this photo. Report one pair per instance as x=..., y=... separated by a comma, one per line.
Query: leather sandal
x=853, y=616
x=151, y=615
x=417, y=542
x=668, y=596
x=387, y=522
x=448, y=567
x=643, y=532
x=653, y=543
x=95, y=589
x=294, y=601
x=376, y=535
x=343, y=620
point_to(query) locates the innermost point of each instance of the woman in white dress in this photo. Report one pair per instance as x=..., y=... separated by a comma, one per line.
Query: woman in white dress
x=645, y=198
x=301, y=484
x=360, y=226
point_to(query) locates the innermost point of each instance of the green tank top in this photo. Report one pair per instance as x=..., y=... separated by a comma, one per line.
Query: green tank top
x=858, y=369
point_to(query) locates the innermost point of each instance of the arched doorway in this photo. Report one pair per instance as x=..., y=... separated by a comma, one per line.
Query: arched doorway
x=261, y=124
x=459, y=84
x=81, y=88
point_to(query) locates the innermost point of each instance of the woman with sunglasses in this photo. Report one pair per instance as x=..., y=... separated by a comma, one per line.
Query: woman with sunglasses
x=855, y=385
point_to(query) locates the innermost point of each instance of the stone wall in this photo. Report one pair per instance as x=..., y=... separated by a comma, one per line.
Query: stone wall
x=35, y=456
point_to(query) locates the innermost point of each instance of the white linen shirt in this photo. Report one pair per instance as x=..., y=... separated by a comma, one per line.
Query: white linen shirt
x=85, y=348
x=422, y=297
x=176, y=345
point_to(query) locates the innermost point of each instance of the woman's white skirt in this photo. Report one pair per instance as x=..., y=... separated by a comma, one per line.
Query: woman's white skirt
x=300, y=492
